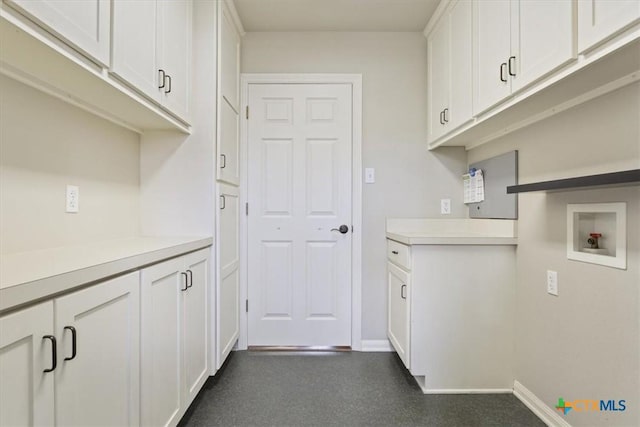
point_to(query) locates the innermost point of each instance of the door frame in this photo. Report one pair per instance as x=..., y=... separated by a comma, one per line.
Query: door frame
x=355, y=80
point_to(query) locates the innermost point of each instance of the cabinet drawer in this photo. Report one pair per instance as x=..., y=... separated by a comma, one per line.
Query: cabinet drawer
x=399, y=254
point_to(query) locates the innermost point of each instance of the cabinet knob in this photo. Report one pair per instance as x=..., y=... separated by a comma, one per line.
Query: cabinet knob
x=394, y=252
x=402, y=289
x=223, y=161
x=445, y=115
x=168, y=89
x=190, y=273
x=186, y=281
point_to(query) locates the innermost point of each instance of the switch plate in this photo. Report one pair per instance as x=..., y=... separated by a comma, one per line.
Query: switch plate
x=73, y=199
x=552, y=282
x=445, y=206
x=369, y=175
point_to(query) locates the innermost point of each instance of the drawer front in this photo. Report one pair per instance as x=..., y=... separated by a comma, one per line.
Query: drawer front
x=399, y=254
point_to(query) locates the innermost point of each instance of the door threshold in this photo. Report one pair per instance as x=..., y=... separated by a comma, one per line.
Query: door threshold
x=298, y=349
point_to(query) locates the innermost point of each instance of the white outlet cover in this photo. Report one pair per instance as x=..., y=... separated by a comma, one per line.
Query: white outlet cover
x=73, y=199
x=369, y=175
x=445, y=206
x=552, y=282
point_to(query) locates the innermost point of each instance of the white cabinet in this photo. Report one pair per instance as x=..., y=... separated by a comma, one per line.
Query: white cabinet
x=598, y=20
x=453, y=327
x=228, y=98
x=229, y=57
x=135, y=45
x=173, y=336
x=228, y=145
x=97, y=380
x=84, y=24
x=88, y=365
x=399, y=314
x=152, y=50
x=228, y=296
x=228, y=304
x=175, y=54
x=26, y=352
x=450, y=71
x=516, y=43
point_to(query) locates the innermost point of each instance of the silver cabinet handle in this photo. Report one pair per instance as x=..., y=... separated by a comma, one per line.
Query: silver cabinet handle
x=402, y=289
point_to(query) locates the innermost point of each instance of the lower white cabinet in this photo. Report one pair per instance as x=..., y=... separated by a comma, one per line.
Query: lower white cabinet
x=88, y=365
x=173, y=336
x=399, y=316
x=26, y=352
x=450, y=314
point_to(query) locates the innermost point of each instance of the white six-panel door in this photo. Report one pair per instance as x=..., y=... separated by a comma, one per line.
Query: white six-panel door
x=299, y=182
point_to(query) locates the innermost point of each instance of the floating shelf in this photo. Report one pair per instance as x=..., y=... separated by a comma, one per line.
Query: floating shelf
x=606, y=179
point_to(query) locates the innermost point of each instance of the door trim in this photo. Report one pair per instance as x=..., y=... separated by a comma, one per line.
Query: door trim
x=355, y=80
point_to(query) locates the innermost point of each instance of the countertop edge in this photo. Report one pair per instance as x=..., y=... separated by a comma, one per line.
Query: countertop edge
x=33, y=291
x=458, y=240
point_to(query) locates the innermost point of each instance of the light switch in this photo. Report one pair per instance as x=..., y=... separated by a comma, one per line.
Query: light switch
x=369, y=175
x=552, y=282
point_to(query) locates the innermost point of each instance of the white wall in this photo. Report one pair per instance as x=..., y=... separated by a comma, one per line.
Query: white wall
x=409, y=180
x=46, y=144
x=583, y=344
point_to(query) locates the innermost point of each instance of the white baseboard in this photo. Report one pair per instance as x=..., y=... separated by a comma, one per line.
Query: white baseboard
x=549, y=416
x=376, y=346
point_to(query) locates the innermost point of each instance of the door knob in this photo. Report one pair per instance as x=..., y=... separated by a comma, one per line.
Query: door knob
x=343, y=229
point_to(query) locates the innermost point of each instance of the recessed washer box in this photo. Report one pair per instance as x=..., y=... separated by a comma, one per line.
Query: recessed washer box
x=609, y=221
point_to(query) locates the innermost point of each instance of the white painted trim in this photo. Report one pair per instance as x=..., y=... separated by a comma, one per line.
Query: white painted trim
x=467, y=391
x=538, y=407
x=355, y=80
x=435, y=18
x=374, y=346
x=236, y=18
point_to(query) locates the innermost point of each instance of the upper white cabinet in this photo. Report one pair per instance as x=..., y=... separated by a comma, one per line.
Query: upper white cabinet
x=175, y=55
x=449, y=70
x=229, y=57
x=152, y=50
x=516, y=43
x=135, y=45
x=600, y=19
x=84, y=24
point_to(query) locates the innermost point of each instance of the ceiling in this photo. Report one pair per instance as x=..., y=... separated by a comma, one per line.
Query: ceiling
x=335, y=15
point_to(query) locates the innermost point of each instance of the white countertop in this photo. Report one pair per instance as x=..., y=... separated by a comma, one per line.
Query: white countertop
x=30, y=276
x=461, y=231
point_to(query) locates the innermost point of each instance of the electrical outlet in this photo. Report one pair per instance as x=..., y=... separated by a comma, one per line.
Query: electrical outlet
x=445, y=206
x=552, y=282
x=369, y=175
x=73, y=199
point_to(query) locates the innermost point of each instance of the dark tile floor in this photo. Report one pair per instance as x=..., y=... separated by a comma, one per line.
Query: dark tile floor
x=359, y=389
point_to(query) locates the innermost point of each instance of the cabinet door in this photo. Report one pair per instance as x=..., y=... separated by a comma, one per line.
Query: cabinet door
x=161, y=347
x=229, y=57
x=85, y=24
x=228, y=284
x=195, y=327
x=398, y=316
x=439, y=77
x=491, y=51
x=460, y=103
x=175, y=55
x=135, y=51
x=98, y=382
x=600, y=19
x=541, y=37
x=228, y=145
x=26, y=391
